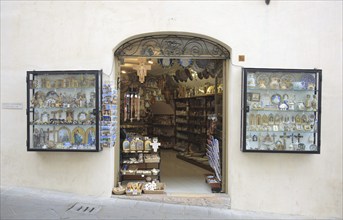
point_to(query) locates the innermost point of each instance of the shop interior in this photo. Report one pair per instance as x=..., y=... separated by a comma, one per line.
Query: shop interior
x=171, y=124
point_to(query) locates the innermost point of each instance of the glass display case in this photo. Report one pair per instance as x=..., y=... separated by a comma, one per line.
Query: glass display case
x=281, y=110
x=63, y=110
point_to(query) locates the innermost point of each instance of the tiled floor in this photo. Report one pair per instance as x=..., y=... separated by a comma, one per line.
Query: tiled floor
x=182, y=177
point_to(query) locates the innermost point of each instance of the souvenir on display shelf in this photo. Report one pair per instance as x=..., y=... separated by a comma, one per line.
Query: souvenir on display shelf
x=108, y=124
x=281, y=110
x=213, y=152
x=62, y=110
x=191, y=128
x=140, y=158
x=132, y=106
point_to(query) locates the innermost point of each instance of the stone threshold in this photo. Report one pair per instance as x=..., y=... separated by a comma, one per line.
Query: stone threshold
x=215, y=200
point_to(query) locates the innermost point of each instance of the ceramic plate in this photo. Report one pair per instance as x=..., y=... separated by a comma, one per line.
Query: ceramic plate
x=185, y=62
x=276, y=99
x=262, y=79
x=202, y=63
x=165, y=62
x=313, y=147
x=197, y=68
x=307, y=78
x=287, y=81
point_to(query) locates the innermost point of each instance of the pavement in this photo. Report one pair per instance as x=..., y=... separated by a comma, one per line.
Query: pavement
x=29, y=203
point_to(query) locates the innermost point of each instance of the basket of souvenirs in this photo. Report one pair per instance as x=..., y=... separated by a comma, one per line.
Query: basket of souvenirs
x=134, y=188
x=118, y=190
x=154, y=188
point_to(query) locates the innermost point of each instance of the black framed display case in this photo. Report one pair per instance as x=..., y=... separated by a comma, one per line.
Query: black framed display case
x=63, y=110
x=281, y=110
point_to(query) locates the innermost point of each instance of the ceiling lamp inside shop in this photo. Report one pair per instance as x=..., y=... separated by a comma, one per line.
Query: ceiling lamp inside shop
x=181, y=70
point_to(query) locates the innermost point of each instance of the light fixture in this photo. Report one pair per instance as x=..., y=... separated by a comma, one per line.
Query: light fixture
x=150, y=61
x=123, y=71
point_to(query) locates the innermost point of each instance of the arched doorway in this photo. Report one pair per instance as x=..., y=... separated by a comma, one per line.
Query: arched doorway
x=182, y=79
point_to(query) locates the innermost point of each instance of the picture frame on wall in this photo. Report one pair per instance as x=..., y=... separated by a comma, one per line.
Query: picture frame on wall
x=249, y=96
x=255, y=97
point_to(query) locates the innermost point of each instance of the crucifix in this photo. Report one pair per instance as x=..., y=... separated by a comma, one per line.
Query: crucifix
x=141, y=69
x=284, y=136
x=155, y=144
x=299, y=136
x=291, y=146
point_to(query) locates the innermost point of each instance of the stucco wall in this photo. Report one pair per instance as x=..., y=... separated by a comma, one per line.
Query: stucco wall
x=81, y=35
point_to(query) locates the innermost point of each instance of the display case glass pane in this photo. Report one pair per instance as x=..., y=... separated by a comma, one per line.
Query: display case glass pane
x=281, y=110
x=63, y=110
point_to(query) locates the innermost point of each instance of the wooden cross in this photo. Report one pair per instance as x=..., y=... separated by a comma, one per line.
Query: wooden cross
x=284, y=136
x=299, y=136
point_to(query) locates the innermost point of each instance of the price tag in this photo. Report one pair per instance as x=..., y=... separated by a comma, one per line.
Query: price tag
x=134, y=192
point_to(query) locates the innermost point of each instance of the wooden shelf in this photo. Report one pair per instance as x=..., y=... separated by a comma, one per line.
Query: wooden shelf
x=163, y=125
x=197, y=163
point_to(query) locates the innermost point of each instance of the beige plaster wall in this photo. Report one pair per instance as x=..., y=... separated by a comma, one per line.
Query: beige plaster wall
x=81, y=35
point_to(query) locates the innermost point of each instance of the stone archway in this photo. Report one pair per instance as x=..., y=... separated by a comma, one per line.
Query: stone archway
x=186, y=46
x=172, y=46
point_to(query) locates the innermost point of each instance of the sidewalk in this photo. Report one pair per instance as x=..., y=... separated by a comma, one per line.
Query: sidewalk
x=27, y=203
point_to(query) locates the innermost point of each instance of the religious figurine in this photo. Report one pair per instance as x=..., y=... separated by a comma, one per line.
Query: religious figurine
x=262, y=84
x=279, y=145
x=77, y=138
x=251, y=81
x=69, y=116
x=283, y=106
x=59, y=101
x=311, y=86
x=274, y=83
x=147, y=143
x=291, y=105
x=126, y=145
x=308, y=102
x=47, y=84
x=139, y=145
x=133, y=145
x=36, y=138
x=314, y=103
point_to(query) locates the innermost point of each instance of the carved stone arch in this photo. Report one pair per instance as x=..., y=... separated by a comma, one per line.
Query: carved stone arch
x=178, y=46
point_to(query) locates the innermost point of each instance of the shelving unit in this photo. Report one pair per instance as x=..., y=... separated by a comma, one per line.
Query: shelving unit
x=135, y=165
x=141, y=128
x=63, y=110
x=191, y=128
x=162, y=126
x=281, y=110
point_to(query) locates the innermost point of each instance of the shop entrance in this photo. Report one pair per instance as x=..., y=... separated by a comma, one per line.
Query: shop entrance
x=172, y=95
